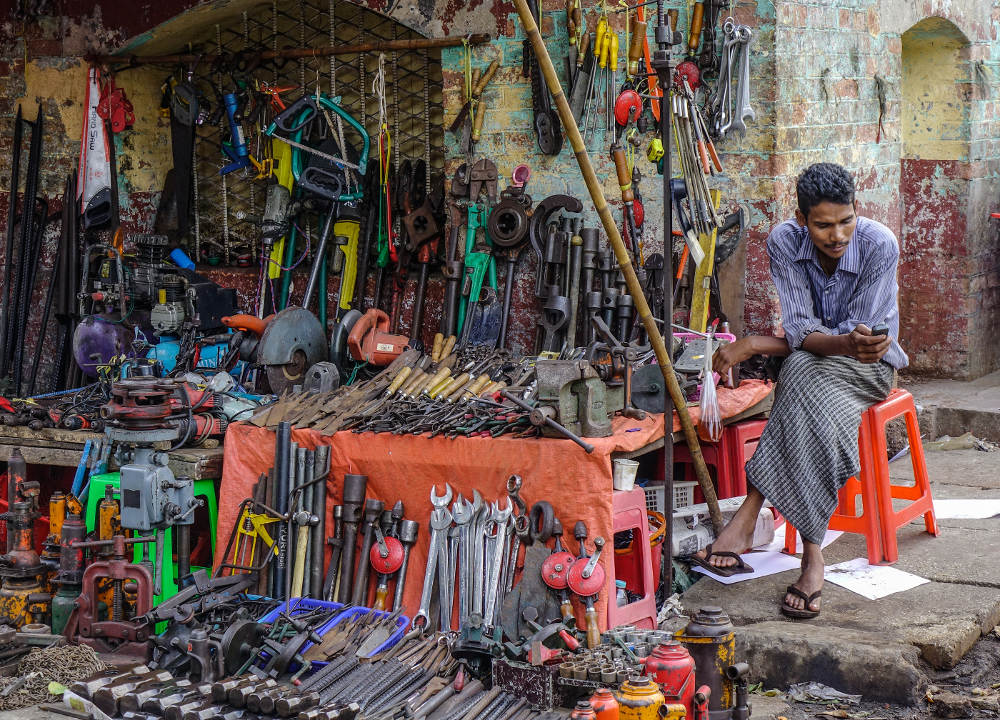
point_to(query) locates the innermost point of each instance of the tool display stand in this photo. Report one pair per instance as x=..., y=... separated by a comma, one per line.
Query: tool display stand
x=630, y=514
x=168, y=571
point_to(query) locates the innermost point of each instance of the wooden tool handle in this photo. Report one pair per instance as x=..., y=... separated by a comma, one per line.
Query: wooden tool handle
x=439, y=388
x=401, y=377
x=484, y=80
x=635, y=46
x=624, y=176
x=593, y=632
x=697, y=18
x=380, y=594
x=477, y=125
x=566, y=610
x=475, y=81
x=584, y=46
x=438, y=347
x=449, y=345
x=409, y=384
x=672, y=15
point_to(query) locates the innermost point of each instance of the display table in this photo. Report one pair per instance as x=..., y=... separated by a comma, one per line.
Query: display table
x=406, y=467
x=62, y=448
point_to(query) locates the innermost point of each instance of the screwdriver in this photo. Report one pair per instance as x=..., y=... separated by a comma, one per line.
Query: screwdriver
x=612, y=79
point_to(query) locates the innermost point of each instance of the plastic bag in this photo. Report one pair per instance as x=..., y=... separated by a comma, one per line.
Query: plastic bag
x=710, y=420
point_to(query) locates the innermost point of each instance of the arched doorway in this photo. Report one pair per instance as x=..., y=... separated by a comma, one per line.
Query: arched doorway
x=935, y=188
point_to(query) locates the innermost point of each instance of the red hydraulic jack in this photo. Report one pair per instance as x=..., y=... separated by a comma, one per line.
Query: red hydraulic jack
x=117, y=634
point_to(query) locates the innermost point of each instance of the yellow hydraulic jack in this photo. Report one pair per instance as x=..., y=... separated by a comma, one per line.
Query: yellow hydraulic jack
x=23, y=576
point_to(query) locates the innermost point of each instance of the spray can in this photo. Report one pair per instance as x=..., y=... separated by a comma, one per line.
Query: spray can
x=710, y=639
x=672, y=667
x=639, y=699
x=605, y=705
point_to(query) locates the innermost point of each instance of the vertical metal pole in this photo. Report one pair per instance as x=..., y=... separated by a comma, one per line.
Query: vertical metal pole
x=661, y=64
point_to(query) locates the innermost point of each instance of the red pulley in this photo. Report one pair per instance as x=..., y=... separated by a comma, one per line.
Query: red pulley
x=638, y=212
x=627, y=107
x=585, y=586
x=555, y=568
x=689, y=70
x=393, y=559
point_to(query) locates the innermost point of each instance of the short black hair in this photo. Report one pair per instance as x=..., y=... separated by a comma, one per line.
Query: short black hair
x=824, y=182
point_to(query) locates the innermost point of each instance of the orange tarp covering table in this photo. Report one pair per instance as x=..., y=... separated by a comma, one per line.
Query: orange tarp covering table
x=405, y=467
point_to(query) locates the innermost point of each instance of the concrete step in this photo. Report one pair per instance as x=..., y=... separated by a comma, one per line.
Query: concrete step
x=953, y=407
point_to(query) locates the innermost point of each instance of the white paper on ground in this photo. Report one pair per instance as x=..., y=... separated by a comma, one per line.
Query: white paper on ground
x=871, y=581
x=763, y=564
x=961, y=509
x=778, y=543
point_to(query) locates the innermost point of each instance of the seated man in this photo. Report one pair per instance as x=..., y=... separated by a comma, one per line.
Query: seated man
x=836, y=279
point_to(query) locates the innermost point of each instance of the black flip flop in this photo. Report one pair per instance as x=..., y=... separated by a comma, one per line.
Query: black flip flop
x=800, y=613
x=741, y=568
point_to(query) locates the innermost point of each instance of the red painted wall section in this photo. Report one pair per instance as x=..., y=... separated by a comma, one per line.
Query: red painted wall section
x=935, y=305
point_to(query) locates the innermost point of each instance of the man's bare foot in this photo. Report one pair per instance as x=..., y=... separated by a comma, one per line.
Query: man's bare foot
x=735, y=537
x=810, y=581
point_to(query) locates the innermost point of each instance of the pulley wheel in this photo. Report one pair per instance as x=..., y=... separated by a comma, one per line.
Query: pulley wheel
x=648, y=388
x=391, y=562
x=585, y=587
x=556, y=568
x=240, y=641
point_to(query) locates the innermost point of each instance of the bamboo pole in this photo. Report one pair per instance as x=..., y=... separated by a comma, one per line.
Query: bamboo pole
x=296, y=53
x=624, y=263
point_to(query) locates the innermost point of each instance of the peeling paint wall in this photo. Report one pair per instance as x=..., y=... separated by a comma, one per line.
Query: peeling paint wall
x=814, y=88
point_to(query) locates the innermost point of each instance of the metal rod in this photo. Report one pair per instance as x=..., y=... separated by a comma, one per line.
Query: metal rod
x=282, y=452
x=624, y=262
x=297, y=53
x=667, y=554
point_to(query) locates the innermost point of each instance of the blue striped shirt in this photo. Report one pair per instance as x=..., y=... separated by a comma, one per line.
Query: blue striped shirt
x=863, y=288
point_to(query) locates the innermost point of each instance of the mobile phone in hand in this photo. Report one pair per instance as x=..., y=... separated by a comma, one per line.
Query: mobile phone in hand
x=880, y=329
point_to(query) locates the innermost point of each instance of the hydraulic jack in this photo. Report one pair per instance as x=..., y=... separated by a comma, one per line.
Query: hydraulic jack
x=23, y=575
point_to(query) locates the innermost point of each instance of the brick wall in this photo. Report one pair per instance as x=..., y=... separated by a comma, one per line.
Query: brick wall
x=814, y=91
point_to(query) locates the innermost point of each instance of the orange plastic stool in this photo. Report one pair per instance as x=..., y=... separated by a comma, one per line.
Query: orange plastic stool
x=741, y=440
x=879, y=520
x=728, y=457
x=630, y=514
x=846, y=517
x=899, y=403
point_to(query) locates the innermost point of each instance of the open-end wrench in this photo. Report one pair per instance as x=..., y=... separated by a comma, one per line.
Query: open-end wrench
x=440, y=522
x=500, y=518
x=478, y=534
x=463, y=514
x=743, y=110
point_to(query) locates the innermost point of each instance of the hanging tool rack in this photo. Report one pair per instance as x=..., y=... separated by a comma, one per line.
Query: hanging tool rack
x=301, y=44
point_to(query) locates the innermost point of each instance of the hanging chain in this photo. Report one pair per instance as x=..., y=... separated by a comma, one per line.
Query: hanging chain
x=427, y=123
x=395, y=100
x=225, y=185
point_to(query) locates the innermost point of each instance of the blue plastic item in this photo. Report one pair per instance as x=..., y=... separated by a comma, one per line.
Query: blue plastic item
x=181, y=259
x=210, y=358
x=301, y=605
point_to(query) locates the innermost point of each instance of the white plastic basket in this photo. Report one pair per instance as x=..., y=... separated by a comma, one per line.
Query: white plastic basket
x=683, y=495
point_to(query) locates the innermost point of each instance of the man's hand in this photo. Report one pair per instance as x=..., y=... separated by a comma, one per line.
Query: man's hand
x=865, y=347
x=730, y=354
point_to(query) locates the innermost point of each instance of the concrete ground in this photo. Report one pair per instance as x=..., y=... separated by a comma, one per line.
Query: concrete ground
x=883, y=649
